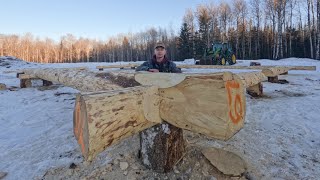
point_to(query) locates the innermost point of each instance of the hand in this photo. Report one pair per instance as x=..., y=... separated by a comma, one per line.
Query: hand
x=153, y=70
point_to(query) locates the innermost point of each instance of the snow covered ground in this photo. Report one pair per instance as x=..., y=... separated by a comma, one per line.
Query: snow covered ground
x=280, y=139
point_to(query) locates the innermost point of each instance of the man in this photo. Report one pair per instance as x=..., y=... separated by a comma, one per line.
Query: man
x=159, y=62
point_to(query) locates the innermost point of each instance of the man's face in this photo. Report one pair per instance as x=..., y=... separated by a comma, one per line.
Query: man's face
x=160, y=52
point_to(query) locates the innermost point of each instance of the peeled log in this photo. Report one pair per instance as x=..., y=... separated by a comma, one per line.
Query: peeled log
x=79, y=79
x=102, y=119
x=275, y=71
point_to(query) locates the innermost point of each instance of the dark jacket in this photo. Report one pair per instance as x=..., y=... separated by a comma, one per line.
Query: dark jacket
x=165, y=66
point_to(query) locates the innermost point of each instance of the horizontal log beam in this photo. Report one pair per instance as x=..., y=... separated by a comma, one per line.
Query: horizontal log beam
x=305, y=68
x=76, y=78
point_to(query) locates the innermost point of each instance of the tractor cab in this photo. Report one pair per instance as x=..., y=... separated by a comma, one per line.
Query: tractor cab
x=219, y=54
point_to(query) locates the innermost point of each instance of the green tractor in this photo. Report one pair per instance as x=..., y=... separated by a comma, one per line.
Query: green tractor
x=220, y=54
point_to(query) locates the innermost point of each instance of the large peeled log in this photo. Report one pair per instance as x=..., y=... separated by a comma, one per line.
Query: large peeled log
x=213, y=105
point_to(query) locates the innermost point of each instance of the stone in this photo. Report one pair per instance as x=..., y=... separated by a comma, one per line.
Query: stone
x=124, y=166
x=227, y=162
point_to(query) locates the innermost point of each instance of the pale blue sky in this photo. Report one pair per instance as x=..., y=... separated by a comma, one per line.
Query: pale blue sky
x=90, y=18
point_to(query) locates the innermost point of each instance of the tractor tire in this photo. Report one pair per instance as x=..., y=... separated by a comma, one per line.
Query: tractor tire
x=221, y=61
x=233, y=60
x=214, y=61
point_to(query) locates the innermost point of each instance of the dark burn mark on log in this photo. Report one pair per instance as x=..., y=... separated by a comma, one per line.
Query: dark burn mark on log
x=119, y=109
x=97, y=113
x=122, y=100
x=104, y=124
x=119, y=80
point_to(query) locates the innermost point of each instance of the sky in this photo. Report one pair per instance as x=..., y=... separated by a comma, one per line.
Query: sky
x=97, y=19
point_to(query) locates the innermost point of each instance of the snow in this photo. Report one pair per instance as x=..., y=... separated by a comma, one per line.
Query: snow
x=280, y=138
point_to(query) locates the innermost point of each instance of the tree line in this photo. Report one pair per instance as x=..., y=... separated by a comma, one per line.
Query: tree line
x=255, y=29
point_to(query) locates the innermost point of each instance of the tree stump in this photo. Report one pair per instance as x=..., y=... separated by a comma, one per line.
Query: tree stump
x=161, y=147
x=3, y=86
x=25, y=83
x=255, y=64
x=46, y=83
x=273, y=79
x=255, y=90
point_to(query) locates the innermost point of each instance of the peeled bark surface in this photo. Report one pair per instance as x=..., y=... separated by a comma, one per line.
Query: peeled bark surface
x=161, y=147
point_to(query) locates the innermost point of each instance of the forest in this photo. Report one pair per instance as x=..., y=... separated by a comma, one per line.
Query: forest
x=255, y=29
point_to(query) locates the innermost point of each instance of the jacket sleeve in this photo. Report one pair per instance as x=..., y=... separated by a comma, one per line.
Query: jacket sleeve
x=174, y=68
x=143, y=67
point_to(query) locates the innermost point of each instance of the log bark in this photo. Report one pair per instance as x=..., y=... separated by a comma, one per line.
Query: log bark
x=161, y=147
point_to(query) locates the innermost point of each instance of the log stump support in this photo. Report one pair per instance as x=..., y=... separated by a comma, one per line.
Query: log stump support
x=161, y=147
x=46, y=83
x=273, y=79
x=25, y=83
x=255, y=90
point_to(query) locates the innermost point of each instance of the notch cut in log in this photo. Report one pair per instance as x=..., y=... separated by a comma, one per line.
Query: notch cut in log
x=213, y=105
